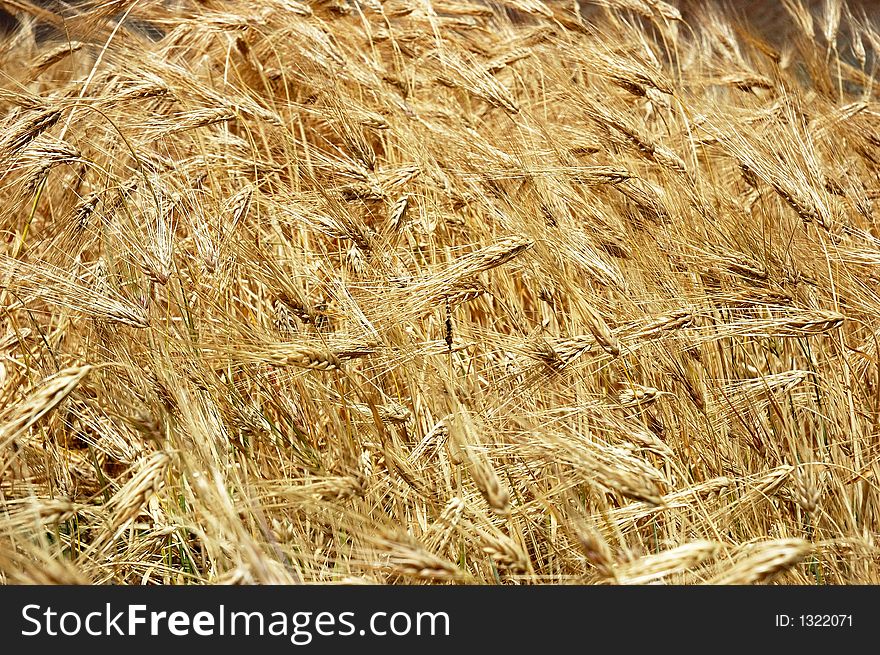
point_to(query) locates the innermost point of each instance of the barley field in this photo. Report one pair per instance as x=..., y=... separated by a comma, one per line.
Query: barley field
x=439, y=292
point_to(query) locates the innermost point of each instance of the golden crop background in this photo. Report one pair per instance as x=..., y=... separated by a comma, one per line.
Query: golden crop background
x=428, y=291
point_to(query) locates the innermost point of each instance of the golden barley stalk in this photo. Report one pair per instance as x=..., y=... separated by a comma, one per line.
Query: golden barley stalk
x=411, y=560
x=61, y=288
x=37, y=567
x=601, y=332
x=55, y=55
x=26, y=130
x=484, y=475
x=681, y=559
x=128, y=502
x=43, y=399
x=438, y=535
x=764, y=561
x=505, y=552
x=520, y=228
x=39, y=514
x=595, y=547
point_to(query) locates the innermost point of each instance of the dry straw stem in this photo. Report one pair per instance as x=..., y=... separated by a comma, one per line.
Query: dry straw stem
x=441, y=531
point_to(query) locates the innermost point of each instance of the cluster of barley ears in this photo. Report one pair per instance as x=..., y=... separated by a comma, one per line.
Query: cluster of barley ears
x=439, y=291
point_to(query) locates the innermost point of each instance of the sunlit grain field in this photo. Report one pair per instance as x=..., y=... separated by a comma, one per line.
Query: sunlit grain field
x=432, y=292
